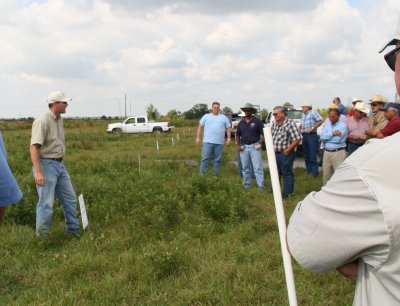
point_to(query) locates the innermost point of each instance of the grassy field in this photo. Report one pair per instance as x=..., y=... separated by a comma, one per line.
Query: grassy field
x=159, y=234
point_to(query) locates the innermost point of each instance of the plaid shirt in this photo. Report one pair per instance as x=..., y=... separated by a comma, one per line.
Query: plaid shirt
x=309, y=119
x=283, y=135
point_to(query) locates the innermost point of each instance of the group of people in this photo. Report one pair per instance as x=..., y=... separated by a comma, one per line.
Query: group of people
x=353, y=223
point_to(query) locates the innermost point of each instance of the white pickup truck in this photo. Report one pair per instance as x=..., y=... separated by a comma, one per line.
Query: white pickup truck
x=138, y=125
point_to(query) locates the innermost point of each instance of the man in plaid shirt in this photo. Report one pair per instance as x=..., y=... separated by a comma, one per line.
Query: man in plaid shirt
x=286, y=138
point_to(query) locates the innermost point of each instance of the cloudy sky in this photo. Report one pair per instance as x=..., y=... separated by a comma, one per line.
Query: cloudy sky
x=177, y=53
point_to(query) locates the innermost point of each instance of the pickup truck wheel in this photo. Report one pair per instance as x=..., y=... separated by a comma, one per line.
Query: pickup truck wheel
x=117, y=132
x=157, y=130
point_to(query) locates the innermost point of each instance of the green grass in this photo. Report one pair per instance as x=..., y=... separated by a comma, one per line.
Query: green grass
x=159, y=236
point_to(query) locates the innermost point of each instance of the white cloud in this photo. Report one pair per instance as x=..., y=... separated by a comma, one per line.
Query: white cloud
x=175, y=54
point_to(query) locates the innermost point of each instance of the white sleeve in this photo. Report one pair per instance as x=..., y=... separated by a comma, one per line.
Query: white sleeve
x=338, y=224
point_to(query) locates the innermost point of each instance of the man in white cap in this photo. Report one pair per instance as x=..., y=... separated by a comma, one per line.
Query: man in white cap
x=353, y=223
x=357, y=125
x=47, y=152
x=310, y=121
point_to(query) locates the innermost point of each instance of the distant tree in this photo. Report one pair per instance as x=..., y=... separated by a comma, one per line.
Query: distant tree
x=288, y=105
x=227, y=110
x=103, y=117
x=152, y=112
x=264, y=113
x=196, y=112
x=173, y=114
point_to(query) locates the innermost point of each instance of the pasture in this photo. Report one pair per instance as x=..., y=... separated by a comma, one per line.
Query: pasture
x=159, y=234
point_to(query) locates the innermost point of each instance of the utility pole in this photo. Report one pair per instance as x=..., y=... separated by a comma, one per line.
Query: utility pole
x=125, y=105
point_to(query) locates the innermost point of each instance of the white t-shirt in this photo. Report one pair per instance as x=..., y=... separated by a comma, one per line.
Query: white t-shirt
x=356, y=215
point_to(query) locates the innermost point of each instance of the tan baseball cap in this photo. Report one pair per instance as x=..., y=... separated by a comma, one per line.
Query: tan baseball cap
x=57, y=96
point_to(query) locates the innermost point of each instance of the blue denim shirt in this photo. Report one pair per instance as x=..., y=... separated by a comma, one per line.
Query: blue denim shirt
x=334, y=142
x=9, y=190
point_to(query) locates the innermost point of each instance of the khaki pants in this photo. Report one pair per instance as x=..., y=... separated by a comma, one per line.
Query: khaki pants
x=331, y=161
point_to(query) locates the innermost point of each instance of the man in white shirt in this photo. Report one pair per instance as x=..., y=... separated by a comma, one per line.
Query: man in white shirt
x=353, y=223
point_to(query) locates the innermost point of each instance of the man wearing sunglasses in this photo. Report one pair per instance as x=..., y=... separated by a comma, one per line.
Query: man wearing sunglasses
x=353, y=223
x=47, y=151
x=377, y=120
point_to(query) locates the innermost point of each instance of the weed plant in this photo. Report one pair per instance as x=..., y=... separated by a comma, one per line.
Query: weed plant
x=159, y=234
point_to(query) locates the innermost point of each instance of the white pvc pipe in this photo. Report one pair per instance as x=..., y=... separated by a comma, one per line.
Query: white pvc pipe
x=280, y=215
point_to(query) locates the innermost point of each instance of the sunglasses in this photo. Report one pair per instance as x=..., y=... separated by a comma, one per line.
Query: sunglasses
x=275, y=114
x=390, y=58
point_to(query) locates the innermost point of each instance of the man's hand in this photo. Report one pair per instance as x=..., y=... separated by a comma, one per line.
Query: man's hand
x=349, y=270
x=198, y=141
x=228, y=142
x=39, y=179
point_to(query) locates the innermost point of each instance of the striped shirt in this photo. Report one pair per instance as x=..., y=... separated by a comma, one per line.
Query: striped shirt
x=309, y=119
x=284, y=134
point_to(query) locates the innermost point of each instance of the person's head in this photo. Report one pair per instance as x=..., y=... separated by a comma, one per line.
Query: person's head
x=391, y=110
x=377, y=102
x=280, y=113
x=360, y=110
x=249, y=110
x=392, y=57
x=355, y=100
x=334, y=115
x=58, y=102
x=215, y=108
x=336, y=100
x=306, y=107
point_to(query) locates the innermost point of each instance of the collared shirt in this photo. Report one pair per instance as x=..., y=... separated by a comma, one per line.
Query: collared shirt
x=377, y=120
x=357, y=128
x=355, y=216
x=309, y=119
x=250, y=132
x=214, y=128
x=48, y=132
x=342, y=109
x=392, y=127
x=284, y=134
x=334, y=142
x=9, y=189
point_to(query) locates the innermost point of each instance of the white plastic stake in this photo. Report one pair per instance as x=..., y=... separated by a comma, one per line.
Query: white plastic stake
x=85, y=221
x=173, y=143
x=280, y=215
x=139, y=161
x=158, y=147
x=177, y=137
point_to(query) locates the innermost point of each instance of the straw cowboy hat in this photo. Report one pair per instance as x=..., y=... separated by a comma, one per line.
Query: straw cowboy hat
x=360, y=106
x=249, y=106
x=378, y=99
x=309, y=105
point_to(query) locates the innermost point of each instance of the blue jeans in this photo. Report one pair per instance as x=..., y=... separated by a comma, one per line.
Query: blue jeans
x=211, y=150
x=57, y=182
x=253, y=176
x=285, y=169
x=352, y=147
x=251, y=155
x=310, y=150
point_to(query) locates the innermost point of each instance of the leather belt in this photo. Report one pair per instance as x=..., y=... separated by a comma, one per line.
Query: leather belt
x=335, y=150
x=60, y=159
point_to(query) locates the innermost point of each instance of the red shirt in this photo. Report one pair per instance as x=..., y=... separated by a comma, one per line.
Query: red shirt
x=392, y=127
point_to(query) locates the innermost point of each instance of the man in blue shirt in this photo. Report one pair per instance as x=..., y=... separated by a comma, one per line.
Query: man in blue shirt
x=310, y=121
x=334, y=136
x=9, y=190
x=214, y=125
x=342, y=109
x=249, y=138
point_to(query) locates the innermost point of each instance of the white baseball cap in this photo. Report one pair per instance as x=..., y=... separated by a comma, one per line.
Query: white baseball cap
x=57, y=96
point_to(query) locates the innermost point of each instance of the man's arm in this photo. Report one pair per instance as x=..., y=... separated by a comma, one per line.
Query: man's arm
x=291, y=147
x=199, y=133
x=228, y=134
x=35, y=157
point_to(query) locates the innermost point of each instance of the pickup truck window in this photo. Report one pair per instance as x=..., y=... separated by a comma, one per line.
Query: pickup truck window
x=131, y=121
x=141, y=120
